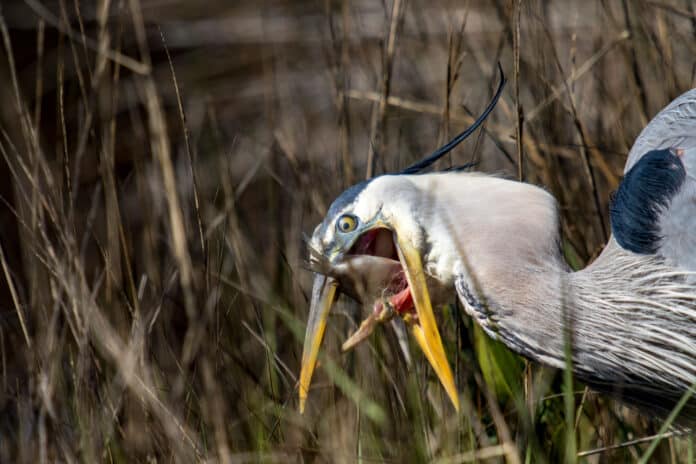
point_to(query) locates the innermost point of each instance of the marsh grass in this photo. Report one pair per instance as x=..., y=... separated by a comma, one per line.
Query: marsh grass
x=162, y=161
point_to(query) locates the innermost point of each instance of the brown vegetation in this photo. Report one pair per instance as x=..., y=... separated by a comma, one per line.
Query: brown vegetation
x=162, y=160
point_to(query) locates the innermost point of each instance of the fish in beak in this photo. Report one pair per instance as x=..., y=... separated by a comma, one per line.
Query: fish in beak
x=394, y=280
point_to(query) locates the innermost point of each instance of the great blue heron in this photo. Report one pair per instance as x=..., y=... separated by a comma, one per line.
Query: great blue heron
x=407, y=242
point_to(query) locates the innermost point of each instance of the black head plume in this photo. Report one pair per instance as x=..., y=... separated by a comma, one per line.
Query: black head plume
x=440, y=152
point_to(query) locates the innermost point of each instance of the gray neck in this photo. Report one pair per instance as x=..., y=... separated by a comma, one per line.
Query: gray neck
x=631, y=321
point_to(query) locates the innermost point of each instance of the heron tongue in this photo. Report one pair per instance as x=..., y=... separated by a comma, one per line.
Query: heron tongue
x=402, y=301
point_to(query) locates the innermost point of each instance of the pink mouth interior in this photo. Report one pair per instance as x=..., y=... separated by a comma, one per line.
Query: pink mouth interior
x=380, y=242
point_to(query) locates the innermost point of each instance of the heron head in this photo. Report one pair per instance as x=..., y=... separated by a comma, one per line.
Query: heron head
x=369, y=247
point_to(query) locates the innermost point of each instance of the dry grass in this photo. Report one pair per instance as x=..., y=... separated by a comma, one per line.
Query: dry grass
x=162, y=160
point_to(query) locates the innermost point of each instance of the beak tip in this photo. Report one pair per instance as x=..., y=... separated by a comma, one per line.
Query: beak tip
x=455, y=400
x=425, y=330
x=323, y=294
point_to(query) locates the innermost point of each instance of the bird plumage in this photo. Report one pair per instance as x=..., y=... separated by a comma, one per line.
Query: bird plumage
x=634, y=329
x=673, y=126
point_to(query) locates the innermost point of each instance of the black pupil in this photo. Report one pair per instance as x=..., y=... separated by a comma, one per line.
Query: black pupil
x=346, y=226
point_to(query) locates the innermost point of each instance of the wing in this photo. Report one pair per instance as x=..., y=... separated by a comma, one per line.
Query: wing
x=674, y=126
x=654, y=209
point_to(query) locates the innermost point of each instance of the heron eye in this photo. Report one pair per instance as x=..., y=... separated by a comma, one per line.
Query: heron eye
x=347, y=223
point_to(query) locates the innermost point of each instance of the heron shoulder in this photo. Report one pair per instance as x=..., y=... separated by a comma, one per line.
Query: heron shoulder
x=673, y=127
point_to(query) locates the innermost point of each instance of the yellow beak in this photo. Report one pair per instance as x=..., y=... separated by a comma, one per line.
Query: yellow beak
x=424, y=329
x=323, y=295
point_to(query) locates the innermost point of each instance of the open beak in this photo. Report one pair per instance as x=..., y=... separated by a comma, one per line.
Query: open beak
x=423, y=327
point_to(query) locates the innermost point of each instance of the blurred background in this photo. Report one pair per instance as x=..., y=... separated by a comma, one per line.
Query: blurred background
x=163, y=159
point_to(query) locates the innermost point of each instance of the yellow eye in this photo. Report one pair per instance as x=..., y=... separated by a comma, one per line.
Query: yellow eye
x=347, y=223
